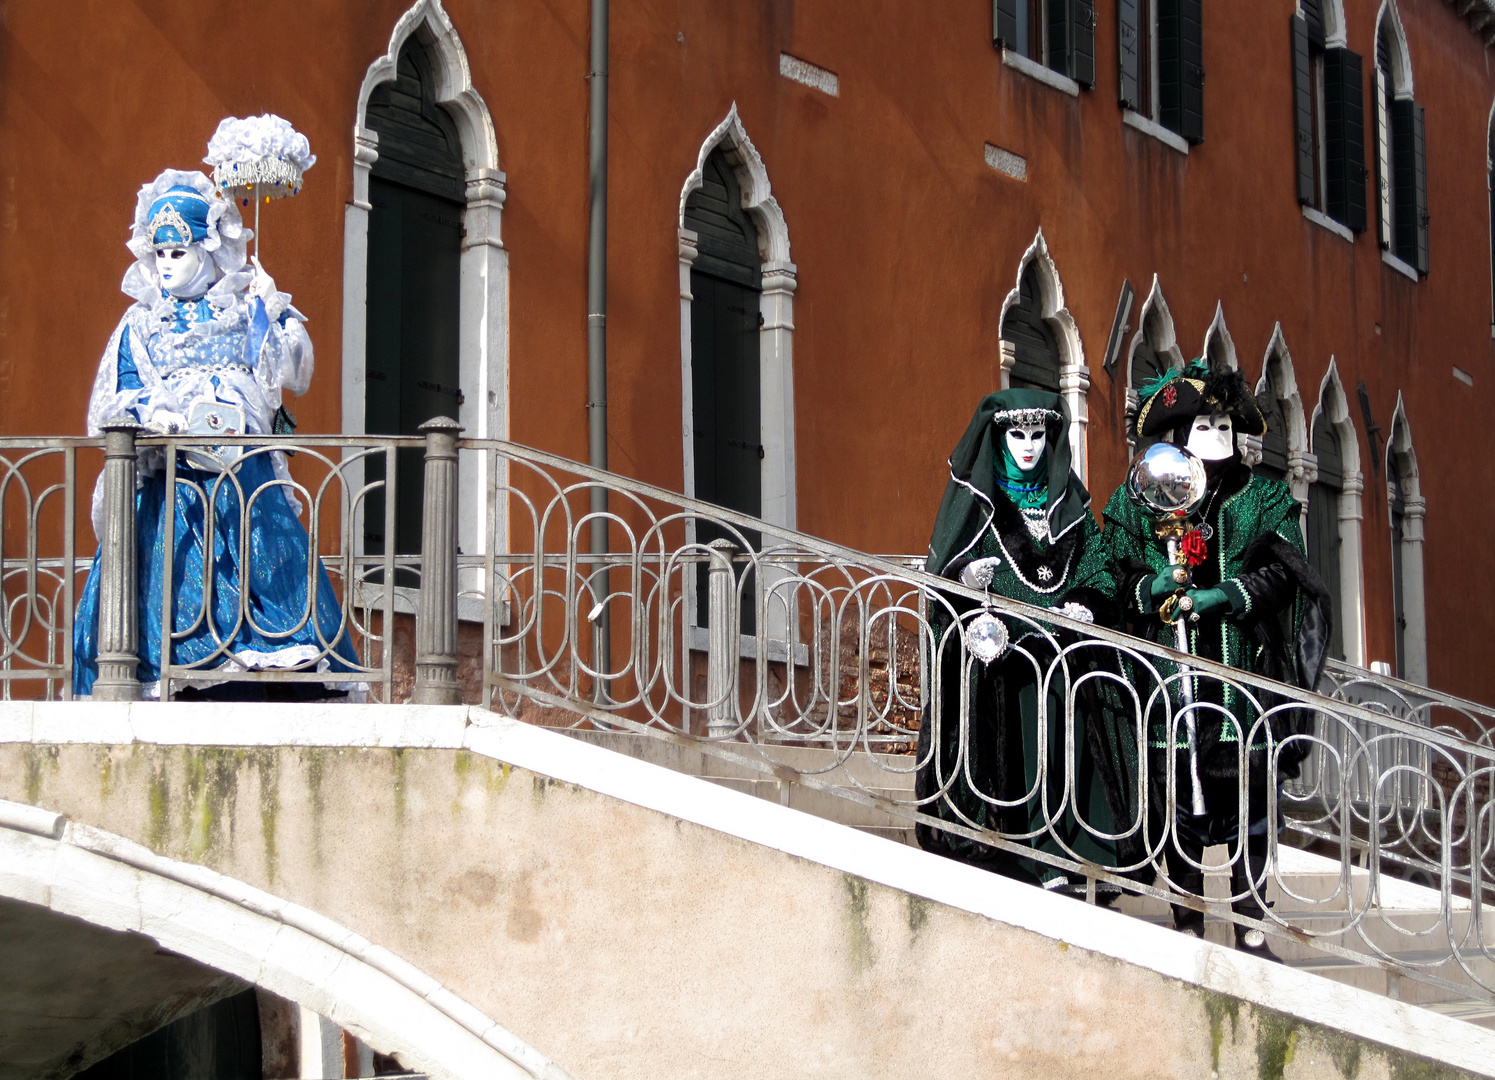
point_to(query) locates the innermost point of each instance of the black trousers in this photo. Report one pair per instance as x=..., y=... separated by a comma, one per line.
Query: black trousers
x=1220, y=824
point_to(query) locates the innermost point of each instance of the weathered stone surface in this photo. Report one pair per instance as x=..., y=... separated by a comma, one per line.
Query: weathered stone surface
x=625, y=942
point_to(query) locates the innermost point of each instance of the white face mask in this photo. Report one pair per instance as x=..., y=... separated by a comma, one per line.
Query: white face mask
x=177, y=265
x=1026, y=445
x=1211, y=438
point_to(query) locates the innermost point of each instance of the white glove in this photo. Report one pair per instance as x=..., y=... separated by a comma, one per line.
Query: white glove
x=977, y=573
x=166, y=422
x=1078, y=612
x=262, y=285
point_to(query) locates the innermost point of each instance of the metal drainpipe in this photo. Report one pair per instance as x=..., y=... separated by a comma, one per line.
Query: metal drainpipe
x=597, y=322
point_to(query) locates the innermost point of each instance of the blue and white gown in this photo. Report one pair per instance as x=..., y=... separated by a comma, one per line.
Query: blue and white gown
x=166, y=353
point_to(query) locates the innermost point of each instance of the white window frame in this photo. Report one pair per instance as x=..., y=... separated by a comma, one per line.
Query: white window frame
x=483, y=334
x=1155, y=327
x=1074, y=375
x=1302, y=466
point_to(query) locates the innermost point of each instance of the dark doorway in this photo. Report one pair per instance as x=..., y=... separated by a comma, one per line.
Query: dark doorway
x=1037, y=364
x=726, y=426
x=1323, y=523
x=221, y=1041
x=416, y=189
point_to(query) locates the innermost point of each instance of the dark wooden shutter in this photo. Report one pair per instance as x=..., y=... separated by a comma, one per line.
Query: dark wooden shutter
x=1082, y=42
x=1344, y=115
x=726, y=379
x=1313, y=21
x=1170, y=64
x=413, y=305
x=1059, y=27
x=1398, y=512
x=1037, y=363
x=1181, y=67
x=1303, y=108
x=1420, y=216
x=1323, y=523
x=1129, y=45
x=1004, y=25
x=1191, y=41
x=1403, y=182
x=1274, y=442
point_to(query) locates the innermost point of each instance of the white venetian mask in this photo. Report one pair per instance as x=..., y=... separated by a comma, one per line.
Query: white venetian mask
x=177, y=265
x=1212, y=437
x=1026, y=442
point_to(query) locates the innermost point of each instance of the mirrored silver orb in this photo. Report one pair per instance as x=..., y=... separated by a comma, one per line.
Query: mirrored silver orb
x=1167, y=481
x=986, y=638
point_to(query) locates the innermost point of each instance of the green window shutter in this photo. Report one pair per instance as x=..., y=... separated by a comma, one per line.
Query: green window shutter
x=1313, y=21
x=1170, y=65
x=1004, y=25
x=1191, y=43
x=1038, y=359
x=1344, y=113
x=1403, y=183
x=1420, y=216
x=1303, y=109
x=1383, y=158
x=1082, y=42
x=1058, y=58
x=1129, y=44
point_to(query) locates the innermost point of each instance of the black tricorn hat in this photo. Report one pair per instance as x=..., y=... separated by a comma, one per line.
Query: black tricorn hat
x=1178, y=396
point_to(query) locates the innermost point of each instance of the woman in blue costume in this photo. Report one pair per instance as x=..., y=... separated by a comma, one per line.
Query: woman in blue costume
x=207, y=331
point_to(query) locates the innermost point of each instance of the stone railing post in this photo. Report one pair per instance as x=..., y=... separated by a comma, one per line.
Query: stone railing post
x=436, y=621
x=721, y=640
x=119, y=625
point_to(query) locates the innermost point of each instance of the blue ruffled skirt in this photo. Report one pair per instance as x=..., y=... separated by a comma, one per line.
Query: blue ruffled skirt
x=276, y=629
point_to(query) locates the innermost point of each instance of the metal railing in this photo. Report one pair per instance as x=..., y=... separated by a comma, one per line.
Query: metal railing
x=843, y=673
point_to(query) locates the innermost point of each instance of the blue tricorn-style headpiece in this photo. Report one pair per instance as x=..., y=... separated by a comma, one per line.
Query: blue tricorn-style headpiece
x=178, y=218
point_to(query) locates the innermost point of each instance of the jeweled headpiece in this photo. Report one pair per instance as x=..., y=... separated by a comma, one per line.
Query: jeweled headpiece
x=178, y=218
x=1025, y=417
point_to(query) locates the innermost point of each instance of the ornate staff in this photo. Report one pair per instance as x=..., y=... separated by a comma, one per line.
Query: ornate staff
x=1169, y=483
x=259, y=158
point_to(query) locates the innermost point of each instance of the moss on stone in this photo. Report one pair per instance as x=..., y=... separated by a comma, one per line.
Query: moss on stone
x=1276, y=1043
x=859, y=934
x=1217, y=1007
x=39, y=759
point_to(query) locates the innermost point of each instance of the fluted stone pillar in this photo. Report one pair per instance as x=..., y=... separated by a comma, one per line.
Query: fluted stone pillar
x=721, y=647
x=119, y=629
x=436, y=622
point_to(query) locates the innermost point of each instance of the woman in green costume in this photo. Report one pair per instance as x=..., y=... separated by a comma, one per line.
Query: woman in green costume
x=1253, y=602
x=1015, y=521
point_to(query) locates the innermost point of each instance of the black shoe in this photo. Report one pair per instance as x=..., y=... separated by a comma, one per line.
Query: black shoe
x=1188, y=921
x=1254, y=943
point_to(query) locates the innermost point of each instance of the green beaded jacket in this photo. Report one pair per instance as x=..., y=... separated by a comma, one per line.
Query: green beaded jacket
x=1277, y=624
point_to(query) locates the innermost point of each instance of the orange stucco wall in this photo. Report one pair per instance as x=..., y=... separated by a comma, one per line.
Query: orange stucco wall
x=906, y=242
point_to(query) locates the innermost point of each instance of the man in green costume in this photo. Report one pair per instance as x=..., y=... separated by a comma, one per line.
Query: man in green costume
x=1015, y=521
x=1252, y=602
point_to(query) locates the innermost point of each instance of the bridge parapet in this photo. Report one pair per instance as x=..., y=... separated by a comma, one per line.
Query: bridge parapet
x=497, y=889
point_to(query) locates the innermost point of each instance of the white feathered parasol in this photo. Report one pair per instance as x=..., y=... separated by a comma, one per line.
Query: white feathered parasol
x=259, y=158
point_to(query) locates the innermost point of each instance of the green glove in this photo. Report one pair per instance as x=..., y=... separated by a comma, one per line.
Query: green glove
x=1162, y=587
x=1209, y=601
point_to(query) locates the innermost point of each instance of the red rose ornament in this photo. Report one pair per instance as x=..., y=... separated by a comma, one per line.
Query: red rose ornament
x=1193, y=548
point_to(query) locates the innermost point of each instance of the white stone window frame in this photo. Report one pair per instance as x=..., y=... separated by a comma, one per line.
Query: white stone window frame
x=1334, y=404
x=1154, y=327
x=1410, y=554
x=1302, y=466
x=776, y=304
x=1220, y=345
x=1490, y=186
x=1334, y=31
x=1074, y=375
x=1401, y=88
x=483, y=330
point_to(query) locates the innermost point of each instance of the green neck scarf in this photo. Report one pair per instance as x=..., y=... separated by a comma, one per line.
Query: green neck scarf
x=1027, y=490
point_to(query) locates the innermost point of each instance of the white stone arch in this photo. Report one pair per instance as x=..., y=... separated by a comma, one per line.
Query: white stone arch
x=1334, y=31
x=1302, y=466
x=776, y=304
x=103, y=879
x=1074, y=375
x=1219, y=346
x=483, y=333
x=1334, y=405
x=1390, y=19
x=1154, y=327
x=1409, y=553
